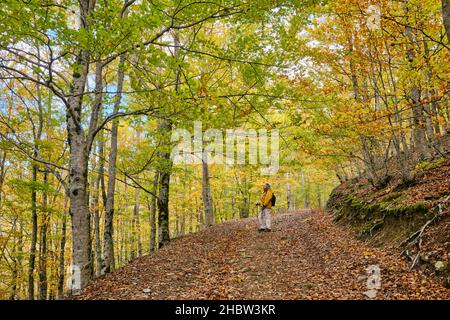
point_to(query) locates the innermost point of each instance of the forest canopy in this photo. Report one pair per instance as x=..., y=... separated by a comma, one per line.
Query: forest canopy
x=92, y=92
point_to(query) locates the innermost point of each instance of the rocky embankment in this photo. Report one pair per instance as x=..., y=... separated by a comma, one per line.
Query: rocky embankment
x=414, y=218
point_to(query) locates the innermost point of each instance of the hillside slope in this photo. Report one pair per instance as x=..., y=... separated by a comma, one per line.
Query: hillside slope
x=306, y=256
x=389, y=216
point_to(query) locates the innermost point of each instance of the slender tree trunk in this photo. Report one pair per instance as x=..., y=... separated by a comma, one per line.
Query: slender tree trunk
x=446, y=17
x=136, y=243
x=288, y=193
x=199, y=216
x=206, y=193
x=433, y=130
x=418, y=134
x=20, y=246
x=37, y=135
x=233, y=205
x=133, y=237
x=96, y=215
x=101, y=176
x=176, y=233
x=43, y=245
x=305, y=192
x=108, y=240
x=191, y=221
x=119, y=240
x=34, y=222
x=319, y=197
x=101, y=167
x=138, y=222
x=2, y=175
x=153, y=213
x=61, y=271
x=244, y=207
x=16, y=262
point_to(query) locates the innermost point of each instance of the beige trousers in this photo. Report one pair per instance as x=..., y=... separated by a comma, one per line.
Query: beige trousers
x=264, y=218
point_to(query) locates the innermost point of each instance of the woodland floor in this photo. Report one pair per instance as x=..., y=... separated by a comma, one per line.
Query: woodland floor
x=304, y=257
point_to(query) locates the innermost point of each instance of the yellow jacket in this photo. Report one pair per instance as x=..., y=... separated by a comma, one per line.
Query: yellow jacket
x=266, y=199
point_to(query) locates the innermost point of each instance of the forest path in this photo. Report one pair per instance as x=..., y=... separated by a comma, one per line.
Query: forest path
x=304, y=257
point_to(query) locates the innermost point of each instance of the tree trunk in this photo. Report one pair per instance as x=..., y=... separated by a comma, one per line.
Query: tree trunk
x=369, y=161
x=164, y=186
x=319, y=197
x=305, y=192
x=79, y=211
x=16, y=262
x=191, y=221
x=288, y=193
x=32, y=259
x=120, y=239
x=233, y=205
x=101, y=167
x=137, y=245
x=80, y=145
x=61, y=271
x=96, y=215
x=418, y=134
x=206, y=193
x=2, y=175
x=244, y=210
x=108, y=240
x=165, y=128
x=43, y=245
x=152, y=246
x=446, y=17
x=78, y=171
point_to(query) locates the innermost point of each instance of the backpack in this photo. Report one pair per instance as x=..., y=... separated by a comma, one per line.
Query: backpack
x=273, y=200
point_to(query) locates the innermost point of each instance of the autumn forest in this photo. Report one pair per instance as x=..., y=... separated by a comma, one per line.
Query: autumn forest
x=96, y=94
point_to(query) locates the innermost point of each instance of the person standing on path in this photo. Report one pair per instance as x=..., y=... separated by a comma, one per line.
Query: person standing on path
x=266, y=205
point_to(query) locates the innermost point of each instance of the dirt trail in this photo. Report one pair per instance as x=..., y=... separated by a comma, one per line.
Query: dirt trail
x=304, y=257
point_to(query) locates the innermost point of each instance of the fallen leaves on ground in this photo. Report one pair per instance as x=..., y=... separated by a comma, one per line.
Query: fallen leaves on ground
x=304, y=257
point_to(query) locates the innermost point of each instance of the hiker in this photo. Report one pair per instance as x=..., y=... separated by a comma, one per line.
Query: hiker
x=266, y=203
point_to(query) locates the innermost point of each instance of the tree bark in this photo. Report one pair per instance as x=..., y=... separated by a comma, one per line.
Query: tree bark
x=136, y=239
x=43, y=245
x=32, y=258
x=96, y=214
x=2, y=175
x=244, y=210
x=78, y=169
x=153, y=243
x=306, y=202
x=319, y=197
x=165, y=128
x=17, y=262
x=288, y=193
x=61, y=270
x=164, y=186
x=108, y=240
x=206, y=193
x=233, y=205
x=446, y=17
x=418, y=134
